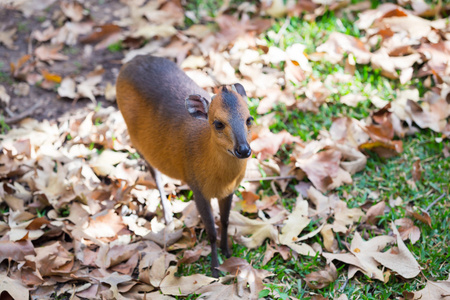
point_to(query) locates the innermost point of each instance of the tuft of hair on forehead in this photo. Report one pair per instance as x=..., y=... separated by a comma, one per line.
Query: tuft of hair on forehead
x=229, y=98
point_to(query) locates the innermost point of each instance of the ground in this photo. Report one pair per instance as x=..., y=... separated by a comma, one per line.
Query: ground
x=346, y=195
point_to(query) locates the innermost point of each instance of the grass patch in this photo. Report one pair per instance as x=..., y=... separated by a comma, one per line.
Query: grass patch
x=116, y=47
x=391, y=178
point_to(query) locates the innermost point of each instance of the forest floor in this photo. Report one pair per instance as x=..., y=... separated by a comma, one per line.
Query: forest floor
x=346, y=195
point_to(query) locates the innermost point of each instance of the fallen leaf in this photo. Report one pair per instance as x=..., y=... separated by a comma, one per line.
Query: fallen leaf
x=72, y=10
x=185, y=285
x=246, y=275
x=88, y=87
x=329, y=242
x=103, y=36
x=408, y=230
x=51, y=76
x=352, y=99
x=322, y=168
x=339, y=44
x=417, y=170
x=52, y=259
x=241, y=227
x=105, y=225
x=50, y=53
x=104, y=164
x=320, y=279
x=4, y=97
x=248, y=202
x=191, y=256
x=269, y=143
x=344, y=216
x=361, y=255
x=67, y=88
x=7, y=38
x=294, y=225
x=218, y=290
x=423, y=217
x=13, y=287
x=15, y=251
x=402, y=262
x=114, y=279
x=284, y=251
x=375, y=212
x=434, y=290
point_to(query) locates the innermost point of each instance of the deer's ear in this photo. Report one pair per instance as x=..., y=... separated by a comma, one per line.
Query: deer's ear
x=197, y=106
x=238, y=88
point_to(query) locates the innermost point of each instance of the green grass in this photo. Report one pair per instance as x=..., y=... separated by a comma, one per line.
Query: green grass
x=390, y=177
x=116, y=47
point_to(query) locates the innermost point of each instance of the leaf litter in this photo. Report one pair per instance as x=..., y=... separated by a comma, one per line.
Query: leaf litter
x=95, y=239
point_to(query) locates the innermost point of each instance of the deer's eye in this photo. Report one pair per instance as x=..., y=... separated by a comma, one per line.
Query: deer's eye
x=250, y=121
x=219, y=125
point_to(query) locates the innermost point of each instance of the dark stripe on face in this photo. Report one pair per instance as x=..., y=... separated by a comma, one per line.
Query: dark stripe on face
x=236, y=119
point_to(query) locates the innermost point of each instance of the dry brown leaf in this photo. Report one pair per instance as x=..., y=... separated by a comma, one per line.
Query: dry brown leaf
x=109, y=256
x=402, y=262
x=128, y=266
x=246, y=275
x=104, y=164
x=269, y=143
x=329, y=242
x=434, y=290
x=294, y=225
x=103, y=36
x=322, y=278
x=284, y=251
x=248, y=202
x=324, y=205
x=15, y=251
x=417, y=170
x=408, y=230
x=240, y=227
x=437, y=55
x=231, y=28
x=381, y=134
x=352, y=99
x=50, y=53
x=53, y=259
x=153, y=263
x=185, y=285
x=67, y=88
x=429, y=116
x=191, y=256
x=4, y=97
x=18, y=223
x=44, y=36
x=423, y=217
x=272, y=96
x=219, y=290
x=72, y=10
x=361, y=255
x=13, y=287
x=375, y=212
x=106, y=225
x=7, y=38
x=322, y=168
x=339, y=44
x=113, y=280
x=88, y=87
x=344, y=216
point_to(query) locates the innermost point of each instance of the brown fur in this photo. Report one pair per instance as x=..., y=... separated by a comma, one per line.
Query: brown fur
x=151, y=95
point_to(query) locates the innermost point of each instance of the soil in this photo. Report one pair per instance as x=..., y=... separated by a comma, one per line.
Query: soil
x=78, y=64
